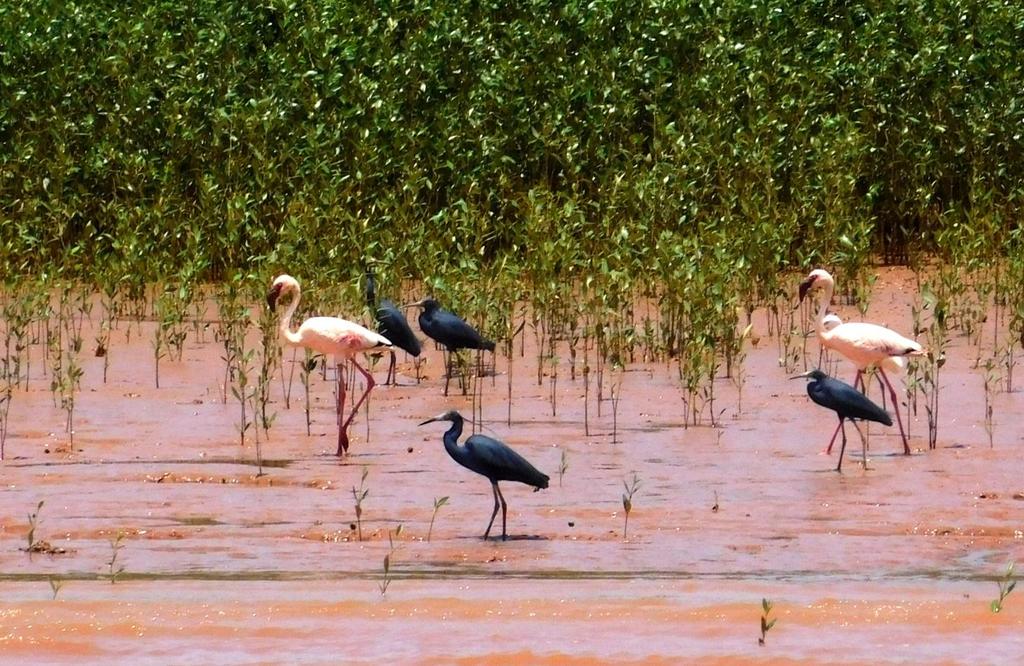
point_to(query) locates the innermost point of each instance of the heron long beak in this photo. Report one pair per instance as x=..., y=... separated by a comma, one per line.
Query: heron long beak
x=805, y=287
x=417, y=304
x=439, y=417
x=272, y=296
x=803, y=376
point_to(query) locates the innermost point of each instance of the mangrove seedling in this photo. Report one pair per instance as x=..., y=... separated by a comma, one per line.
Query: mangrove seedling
x=359, y=496
x=55, y=585
x=386, y=580
x=438, y=503
x=627, y=500
x=114, y=568
x=308, y=366
x=1006, y=585
x=33, y=523
x=563, y=466
x=766, y=623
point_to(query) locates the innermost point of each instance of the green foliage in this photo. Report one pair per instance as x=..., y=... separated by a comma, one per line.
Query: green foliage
x=1006, y=585
x=389, y=558
x=158, y=138
x=766, y=624
x=33, y=524
x=358, y=496
x=114, y=568
x=578, y=157
x=438, y=503
x=631, y=487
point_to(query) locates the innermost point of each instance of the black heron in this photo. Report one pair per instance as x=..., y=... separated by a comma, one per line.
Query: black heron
x=847, y=402
x=392, y=324
x=450, y=330
x=491, y=458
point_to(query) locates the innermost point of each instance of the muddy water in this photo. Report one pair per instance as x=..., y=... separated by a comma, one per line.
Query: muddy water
x=894, y=563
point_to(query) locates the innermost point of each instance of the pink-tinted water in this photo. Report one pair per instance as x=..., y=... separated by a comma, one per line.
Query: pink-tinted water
x=896, y=563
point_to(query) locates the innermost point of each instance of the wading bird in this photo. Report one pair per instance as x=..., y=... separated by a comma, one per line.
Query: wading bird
x=490, y=458
x=328, y=335
x=847, y=402
x=865, y=345
x=449, y=330
x=393, y=325
x=892, y=364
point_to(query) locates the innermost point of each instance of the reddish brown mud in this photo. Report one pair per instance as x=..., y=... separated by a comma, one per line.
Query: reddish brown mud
x=895, y=563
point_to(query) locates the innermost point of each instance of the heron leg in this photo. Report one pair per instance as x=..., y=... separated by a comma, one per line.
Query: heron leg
x=863, y=442
x=857, y=381
x=842, y=450
x=896, y=408
x=447, y=370
x=504, y=512
x=391, y=379
x=494, y=489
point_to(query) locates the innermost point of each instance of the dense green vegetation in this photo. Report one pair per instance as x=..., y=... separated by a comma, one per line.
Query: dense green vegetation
x=576, y=156
x=163, y=136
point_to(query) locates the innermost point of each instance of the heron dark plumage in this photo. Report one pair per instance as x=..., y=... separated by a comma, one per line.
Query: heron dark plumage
x=492, y=459
x=392, y=324
x=450, y=330
x=846, y=401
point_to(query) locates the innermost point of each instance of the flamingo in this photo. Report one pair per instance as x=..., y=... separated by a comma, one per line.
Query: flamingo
x=865, y=345
x=328, y=335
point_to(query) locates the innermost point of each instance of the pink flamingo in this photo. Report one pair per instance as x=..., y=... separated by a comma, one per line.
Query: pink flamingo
x=328, y=335
x=866, y=345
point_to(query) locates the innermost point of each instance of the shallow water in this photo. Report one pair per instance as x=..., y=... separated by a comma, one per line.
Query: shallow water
x=894, y=563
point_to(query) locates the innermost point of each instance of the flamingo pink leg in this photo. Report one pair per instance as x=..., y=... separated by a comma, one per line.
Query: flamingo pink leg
x=343, y=431
x=896, y=408
x=342, y=435
x=857, y=381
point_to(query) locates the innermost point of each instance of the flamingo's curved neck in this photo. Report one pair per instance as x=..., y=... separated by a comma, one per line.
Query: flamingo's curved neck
x=286, y=320
x=826, y=299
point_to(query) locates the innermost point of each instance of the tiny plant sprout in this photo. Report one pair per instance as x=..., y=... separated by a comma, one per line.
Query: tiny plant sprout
x=115, y=569
x=563, y=466
x=438, y=503
x=359, y=496
x=1006, y=585
x=33, y=523
x=627, y=500
x=766, y=623
x=55, y=585
x=386, y=580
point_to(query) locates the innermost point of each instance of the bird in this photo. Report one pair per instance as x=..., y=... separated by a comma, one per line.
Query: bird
x=393, y=325
x=865, y=345
x=847, y=402
x=328, y=335
x=891, y=363
x=450, y=330
x=490, y=458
